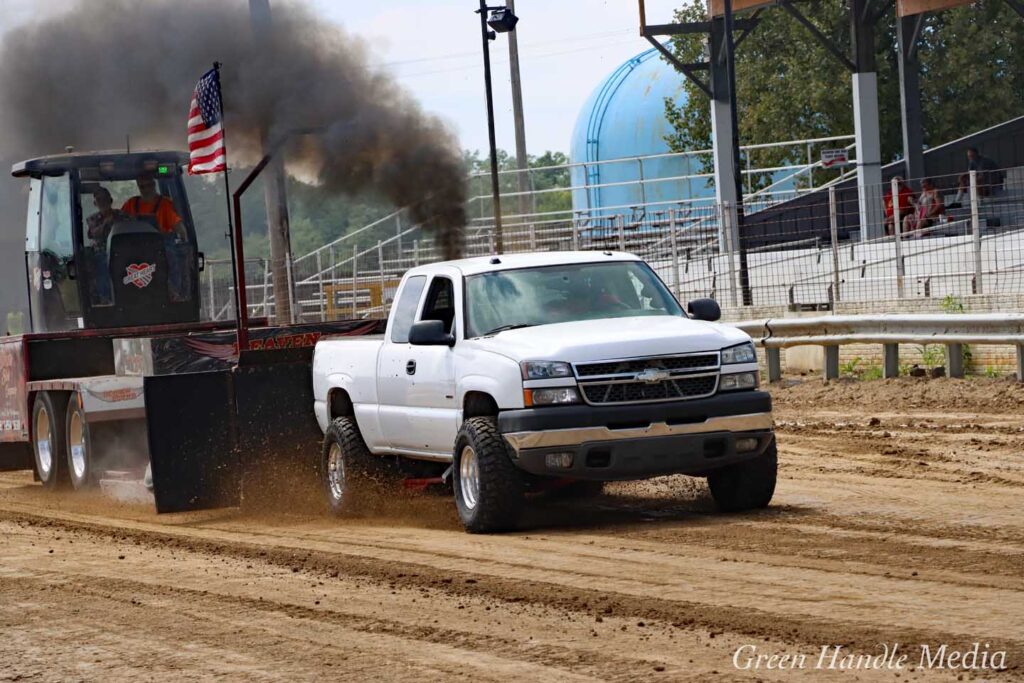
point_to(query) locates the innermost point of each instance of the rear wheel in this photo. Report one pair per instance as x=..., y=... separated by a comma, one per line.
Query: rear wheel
x=49, y=445
x=747, y=485
x=348, y=470
x=488, y=487
x=81, y=459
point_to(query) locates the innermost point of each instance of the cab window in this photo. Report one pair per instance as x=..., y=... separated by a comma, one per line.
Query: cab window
x=440, y=303
x=56, y=245
x=405, y=309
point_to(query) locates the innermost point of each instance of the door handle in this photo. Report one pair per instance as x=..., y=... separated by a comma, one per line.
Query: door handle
x=410, y=368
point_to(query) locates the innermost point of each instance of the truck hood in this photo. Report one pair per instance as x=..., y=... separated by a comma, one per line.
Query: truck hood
x=610, y=338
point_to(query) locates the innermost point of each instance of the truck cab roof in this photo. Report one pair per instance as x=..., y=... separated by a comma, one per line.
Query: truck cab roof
x=127, y=163
x=488, y=264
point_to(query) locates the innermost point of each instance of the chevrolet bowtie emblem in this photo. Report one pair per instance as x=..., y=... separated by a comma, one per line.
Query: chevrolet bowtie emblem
x=653, y=376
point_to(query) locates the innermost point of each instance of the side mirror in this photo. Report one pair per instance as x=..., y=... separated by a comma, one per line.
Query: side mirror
x=704, y=309
x=72, y=270
x=430, y=333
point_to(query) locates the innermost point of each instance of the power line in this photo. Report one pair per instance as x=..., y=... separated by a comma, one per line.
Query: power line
x=475, y=54
x=525, y=58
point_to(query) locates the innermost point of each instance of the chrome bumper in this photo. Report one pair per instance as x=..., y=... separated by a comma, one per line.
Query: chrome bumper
x=554, y=438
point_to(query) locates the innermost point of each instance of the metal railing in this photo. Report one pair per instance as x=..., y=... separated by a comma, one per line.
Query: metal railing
x=830, y=332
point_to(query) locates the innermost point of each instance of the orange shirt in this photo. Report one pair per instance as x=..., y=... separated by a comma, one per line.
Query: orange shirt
x=166, y=216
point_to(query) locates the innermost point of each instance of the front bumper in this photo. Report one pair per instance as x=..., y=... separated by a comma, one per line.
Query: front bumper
x=636, y=442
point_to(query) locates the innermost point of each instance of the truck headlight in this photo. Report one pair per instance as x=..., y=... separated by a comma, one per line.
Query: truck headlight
x=545, y=369
x=556, y=396
x=738, y=381
x=742, y=353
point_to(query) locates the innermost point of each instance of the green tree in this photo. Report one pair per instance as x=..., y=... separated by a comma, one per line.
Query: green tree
x=790, y=87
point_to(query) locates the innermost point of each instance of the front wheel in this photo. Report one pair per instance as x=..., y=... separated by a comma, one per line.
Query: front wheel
x=488, y=487
x=747, y=485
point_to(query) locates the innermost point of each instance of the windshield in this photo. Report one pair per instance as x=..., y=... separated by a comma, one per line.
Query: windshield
x=559, y=294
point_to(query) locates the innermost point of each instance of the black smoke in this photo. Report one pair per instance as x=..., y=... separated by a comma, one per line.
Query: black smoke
x=111, y=68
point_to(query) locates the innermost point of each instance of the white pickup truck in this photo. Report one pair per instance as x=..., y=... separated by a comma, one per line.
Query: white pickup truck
x=527, y=369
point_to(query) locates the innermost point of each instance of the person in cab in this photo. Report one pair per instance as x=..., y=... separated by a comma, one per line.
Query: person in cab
x=152, y=207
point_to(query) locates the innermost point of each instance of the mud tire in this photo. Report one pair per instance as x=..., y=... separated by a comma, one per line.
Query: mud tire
x=747, y=485
x=348, y=470
x=489, y=488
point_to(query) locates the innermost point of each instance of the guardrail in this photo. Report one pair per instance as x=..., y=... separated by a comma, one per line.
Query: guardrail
x=831, y=332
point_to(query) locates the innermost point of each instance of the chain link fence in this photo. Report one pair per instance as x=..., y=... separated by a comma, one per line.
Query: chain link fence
x=946, y=236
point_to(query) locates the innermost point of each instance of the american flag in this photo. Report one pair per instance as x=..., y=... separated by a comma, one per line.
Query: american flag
x=205, y=135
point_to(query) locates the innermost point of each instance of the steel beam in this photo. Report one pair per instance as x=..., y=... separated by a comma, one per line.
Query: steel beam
x=825, y=41
x=908, y=29
x=906, y=8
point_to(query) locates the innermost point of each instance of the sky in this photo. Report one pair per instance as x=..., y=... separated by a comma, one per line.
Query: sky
x=433, y=48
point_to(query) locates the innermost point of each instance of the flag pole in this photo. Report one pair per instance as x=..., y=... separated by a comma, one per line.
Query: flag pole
x=236, y=268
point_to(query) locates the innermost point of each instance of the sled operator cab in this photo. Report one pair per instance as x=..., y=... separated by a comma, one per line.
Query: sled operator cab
x=109, y=241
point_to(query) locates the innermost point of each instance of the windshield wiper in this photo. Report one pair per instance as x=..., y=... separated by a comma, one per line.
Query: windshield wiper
x=502, y=328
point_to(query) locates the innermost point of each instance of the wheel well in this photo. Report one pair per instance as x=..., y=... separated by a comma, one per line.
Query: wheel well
x=339, y=404
x=478, y=404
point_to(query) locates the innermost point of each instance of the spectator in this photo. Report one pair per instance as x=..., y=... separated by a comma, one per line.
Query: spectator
x=987, y=175
x=927, y=209
x=905, y=204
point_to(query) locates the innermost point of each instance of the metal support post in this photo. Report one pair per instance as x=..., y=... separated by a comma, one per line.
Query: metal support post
x=833, y=216
x=323, y=295
x=976, y=233
x=1020, y=362
x=293, y=315
x=355, y=277
x=416, y=252
x=575, y=236
x=213, y=302
x=865, y=118
x=380, y=268
x=869, y=153
x=908, y=30
x=729, y=250
x=622, y=232
x=675, y=251
x=774, y=357
x=830, y=368
x=890, y=360
x=955, y=360
x=897, y=226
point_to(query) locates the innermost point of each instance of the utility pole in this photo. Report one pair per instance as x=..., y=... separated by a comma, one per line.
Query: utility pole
x=522, y=162
x=487, y=36
x=274, y=191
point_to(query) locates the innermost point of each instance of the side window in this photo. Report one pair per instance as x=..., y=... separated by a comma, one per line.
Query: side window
x=55, y=235
x=405, y=309
x=440, y=303
x=35, y=192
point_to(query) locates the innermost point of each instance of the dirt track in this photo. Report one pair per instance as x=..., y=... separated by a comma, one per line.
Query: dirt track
x=897, y=520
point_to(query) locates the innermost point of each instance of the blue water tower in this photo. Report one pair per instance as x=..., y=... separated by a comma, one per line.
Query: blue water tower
x=623, y=118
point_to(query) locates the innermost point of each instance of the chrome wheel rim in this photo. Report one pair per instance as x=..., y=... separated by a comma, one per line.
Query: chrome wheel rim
x=469, y=477
x=43, y=449
x=76, y=445
x=335, y=472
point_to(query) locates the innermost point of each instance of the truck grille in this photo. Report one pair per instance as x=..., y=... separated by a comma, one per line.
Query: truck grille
x=674, y=389
x=631, y=366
